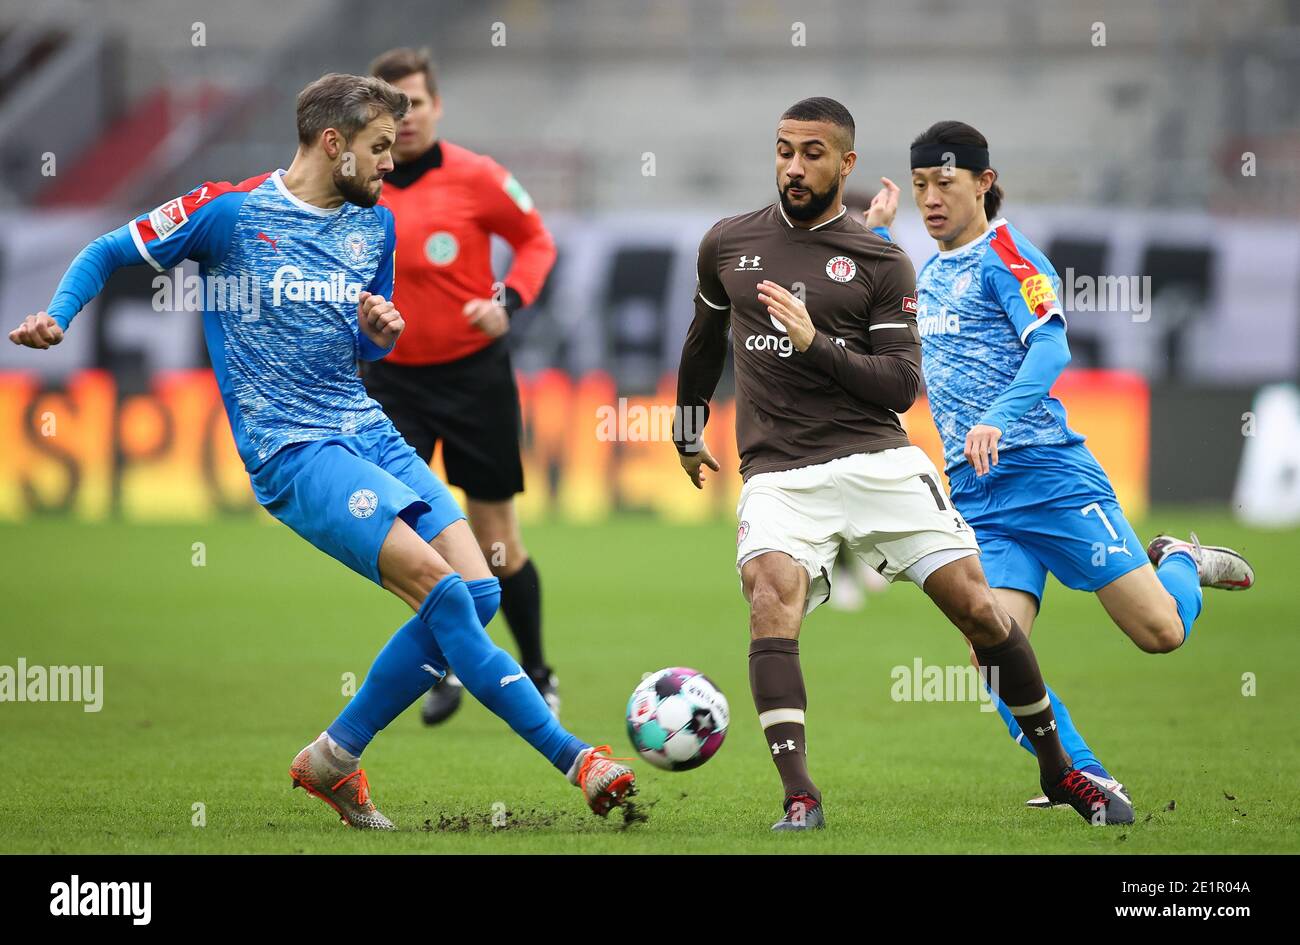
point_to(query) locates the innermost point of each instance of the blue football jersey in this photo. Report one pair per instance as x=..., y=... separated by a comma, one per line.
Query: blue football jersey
x=976, y=307
x=282, y=279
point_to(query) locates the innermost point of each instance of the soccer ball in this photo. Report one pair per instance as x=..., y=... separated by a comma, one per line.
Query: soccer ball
x=677, y=718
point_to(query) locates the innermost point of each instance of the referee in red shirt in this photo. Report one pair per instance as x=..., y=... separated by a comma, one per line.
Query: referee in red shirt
x=451, y=378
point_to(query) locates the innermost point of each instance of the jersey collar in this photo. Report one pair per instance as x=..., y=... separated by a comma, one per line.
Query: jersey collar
x=976, y=242
x=403, y=175
x=277, y=176
x=781, y=210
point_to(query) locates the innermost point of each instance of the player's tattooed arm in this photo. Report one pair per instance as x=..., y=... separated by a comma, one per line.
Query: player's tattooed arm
x=380, y=322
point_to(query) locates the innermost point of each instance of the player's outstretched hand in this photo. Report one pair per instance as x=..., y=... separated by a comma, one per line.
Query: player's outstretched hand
x=37, y=331
x=377, y=317
x=790, y=312
x=694, y=464
x=487, y=316
x=982, y=447
x=884, y=205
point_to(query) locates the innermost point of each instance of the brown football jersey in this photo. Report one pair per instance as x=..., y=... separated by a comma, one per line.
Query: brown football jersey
x=840, y=396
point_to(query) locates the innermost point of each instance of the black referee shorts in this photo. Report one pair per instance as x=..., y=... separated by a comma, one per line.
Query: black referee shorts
x=472, y=405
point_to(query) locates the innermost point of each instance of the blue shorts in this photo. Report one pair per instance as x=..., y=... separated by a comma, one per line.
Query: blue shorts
x=343, y=494
x=1047, y=508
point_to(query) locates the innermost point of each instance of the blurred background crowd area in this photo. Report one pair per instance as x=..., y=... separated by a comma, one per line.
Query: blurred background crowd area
x=1154, y=141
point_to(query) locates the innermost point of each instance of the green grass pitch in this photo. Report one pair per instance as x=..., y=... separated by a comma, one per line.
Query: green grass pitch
x=215, y=676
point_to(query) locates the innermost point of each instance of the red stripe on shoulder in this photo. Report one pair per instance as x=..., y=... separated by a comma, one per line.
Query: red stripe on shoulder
x=176, y=212
x=1005, y=246
x=200, y=195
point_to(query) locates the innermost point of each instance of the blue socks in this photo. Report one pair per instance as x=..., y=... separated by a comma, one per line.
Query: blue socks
x=1081, y=756
x=487, y=598
x=489, y=672
x=1179, y=576
x=403, y=671
x=448, y=630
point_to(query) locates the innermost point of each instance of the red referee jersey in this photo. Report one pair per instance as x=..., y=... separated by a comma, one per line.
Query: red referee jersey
x=446, y=205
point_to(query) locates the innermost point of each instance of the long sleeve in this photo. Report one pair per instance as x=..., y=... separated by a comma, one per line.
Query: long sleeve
x=509, y=212
x=891, y=374
x=197, y=225
x=89, y=273
x=381, y=284
x=705, y=352
x=1047, y=357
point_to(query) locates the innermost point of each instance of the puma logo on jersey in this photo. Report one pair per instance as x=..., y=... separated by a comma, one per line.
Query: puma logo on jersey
x=263, y=236
x=507, y=680
x=1119, y=549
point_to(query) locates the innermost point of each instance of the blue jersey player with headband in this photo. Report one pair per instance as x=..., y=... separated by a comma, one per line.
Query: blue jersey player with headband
x=993, y=339
x=298, y=268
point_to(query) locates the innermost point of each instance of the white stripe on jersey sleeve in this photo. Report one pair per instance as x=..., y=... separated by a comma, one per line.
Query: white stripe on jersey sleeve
x=139, y=245
x=1040, y=322
x=888, y=325
x=720, y=308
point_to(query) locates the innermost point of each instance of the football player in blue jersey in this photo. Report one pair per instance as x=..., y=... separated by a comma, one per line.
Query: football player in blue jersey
x=993, y=339
x=298, y=269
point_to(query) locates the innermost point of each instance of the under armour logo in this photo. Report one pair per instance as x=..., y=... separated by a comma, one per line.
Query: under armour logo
x=507, y=680
x=787, y=745
x=749, y=264
x=1040, y=731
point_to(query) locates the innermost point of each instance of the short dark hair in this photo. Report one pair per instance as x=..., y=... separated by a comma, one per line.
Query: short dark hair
x=347, y=103
x=958, y=132
x=824, y=109
x=396, y=64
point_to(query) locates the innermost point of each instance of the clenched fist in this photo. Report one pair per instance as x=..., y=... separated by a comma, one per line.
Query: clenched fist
x=37, y=331
x=380, y=321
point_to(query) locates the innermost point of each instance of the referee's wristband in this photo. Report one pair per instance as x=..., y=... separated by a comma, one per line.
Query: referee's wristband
x=513, y=301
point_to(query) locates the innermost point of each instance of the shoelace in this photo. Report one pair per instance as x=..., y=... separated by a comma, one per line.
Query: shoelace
x=1082, y=787
x=363, y=786
x=596, y=754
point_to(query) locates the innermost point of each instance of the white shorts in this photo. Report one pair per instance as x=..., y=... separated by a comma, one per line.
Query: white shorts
x=889, y=508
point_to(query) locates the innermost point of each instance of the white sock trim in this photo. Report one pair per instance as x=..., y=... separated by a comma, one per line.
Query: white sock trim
x=338, y=750
x=777, y=716
x=1039, y=706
